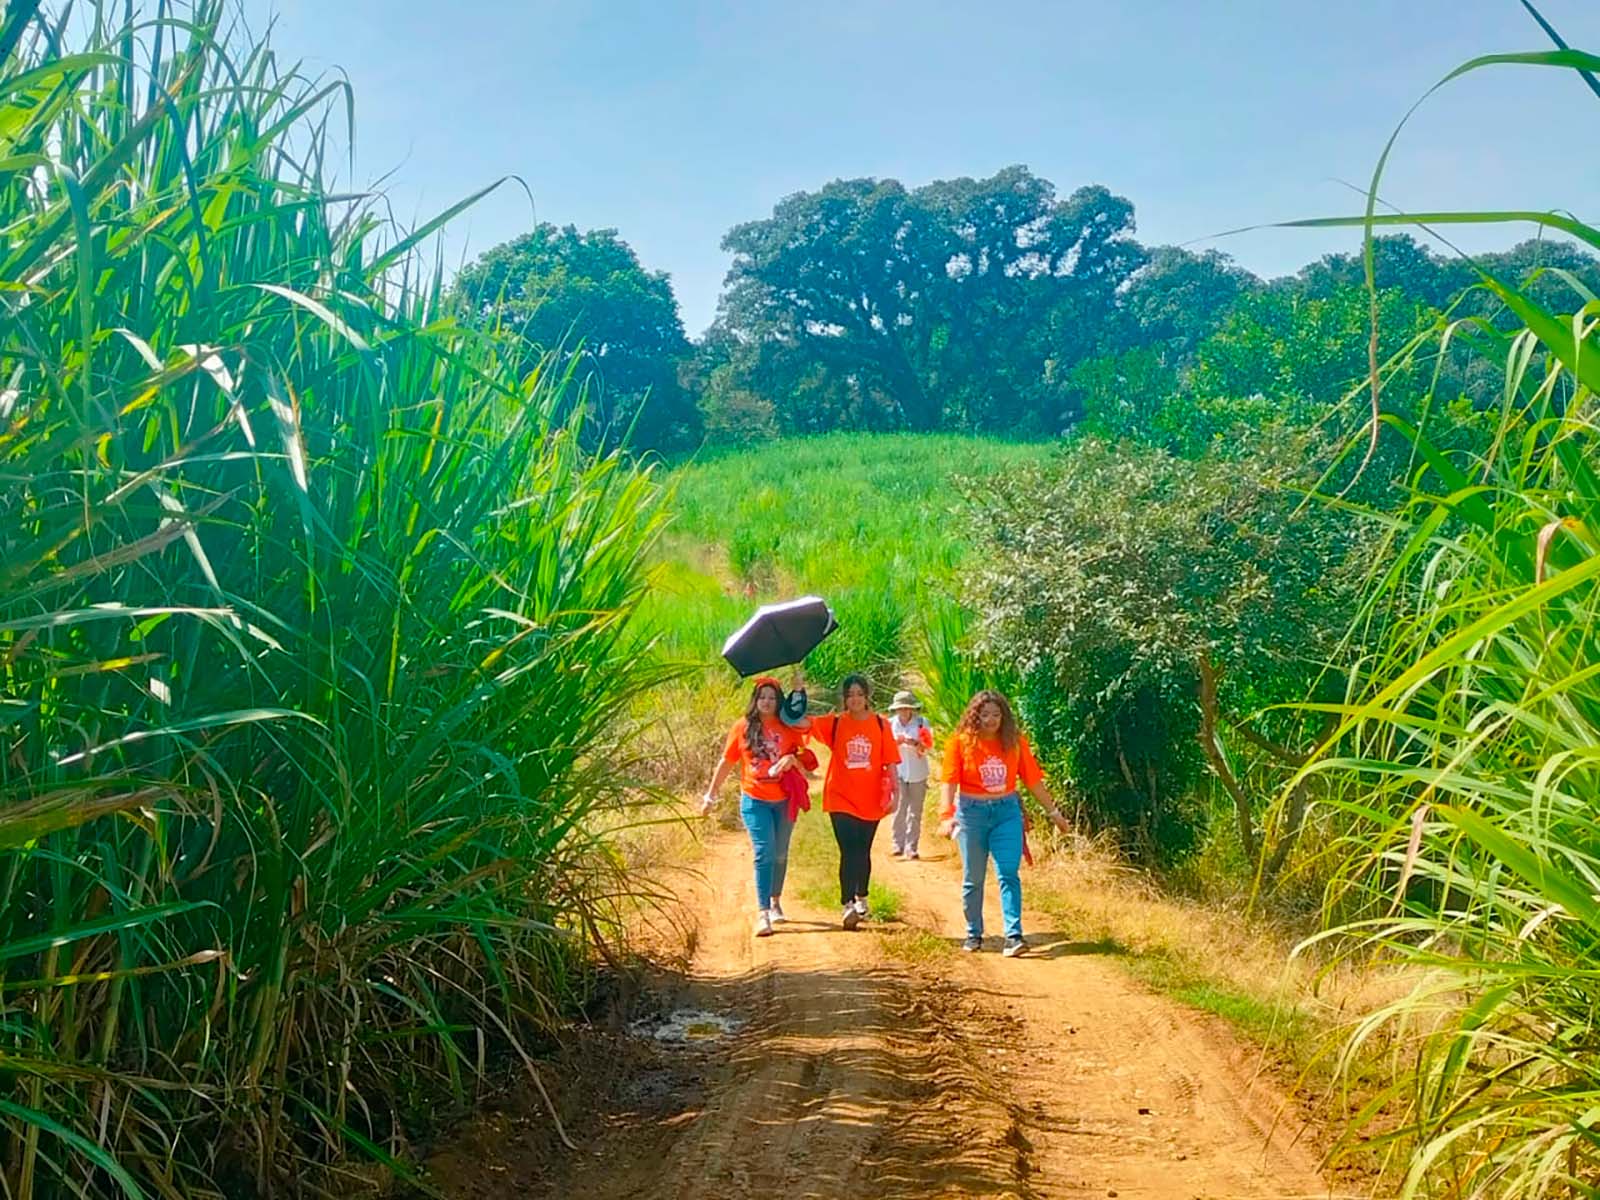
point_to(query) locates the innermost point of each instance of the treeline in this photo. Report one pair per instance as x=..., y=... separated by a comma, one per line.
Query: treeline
x=978, y=305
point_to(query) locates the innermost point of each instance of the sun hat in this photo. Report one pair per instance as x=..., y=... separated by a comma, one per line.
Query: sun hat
x=904, y=700
x=792, y=708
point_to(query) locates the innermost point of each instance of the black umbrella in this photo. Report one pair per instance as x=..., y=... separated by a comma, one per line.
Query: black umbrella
x=779, y=634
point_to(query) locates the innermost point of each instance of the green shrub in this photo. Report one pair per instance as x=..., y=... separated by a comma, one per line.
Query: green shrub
x=1162, y=612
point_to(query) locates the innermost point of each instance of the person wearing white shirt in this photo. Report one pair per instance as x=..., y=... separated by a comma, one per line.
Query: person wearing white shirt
x=914, y=736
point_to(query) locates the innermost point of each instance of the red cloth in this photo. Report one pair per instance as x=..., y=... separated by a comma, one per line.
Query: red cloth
x=795, y=788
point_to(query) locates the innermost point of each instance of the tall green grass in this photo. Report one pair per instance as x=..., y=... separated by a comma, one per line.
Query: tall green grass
x=866, y=520
x=952, y=669
x=314, y=645
x=1468, y=763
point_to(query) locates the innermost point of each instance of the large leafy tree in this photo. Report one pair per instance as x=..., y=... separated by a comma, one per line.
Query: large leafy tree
x=1543, y=267
x=587, y=299
x=960, y=303
x=1164, y=313
x=1276, y=356
x=1285, y=356
x=1399, y=261
x=1178, y=298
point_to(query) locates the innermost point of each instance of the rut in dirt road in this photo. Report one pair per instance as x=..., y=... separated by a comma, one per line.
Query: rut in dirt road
x=856, y=1076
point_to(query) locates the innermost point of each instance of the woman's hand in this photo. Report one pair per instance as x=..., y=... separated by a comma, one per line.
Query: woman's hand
x=947, y=827
x=1047, y=801
x=707, y=803
x=787, y=762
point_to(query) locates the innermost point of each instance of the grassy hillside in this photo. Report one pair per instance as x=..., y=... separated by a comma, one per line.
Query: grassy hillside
x=866, y=520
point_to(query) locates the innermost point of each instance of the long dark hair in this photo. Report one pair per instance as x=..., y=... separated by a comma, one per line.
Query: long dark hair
x=850, y=681
x=752, y=716
x=972, y=729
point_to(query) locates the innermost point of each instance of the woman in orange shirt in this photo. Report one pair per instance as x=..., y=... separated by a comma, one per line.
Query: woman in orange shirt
x=983, y=761
x=863, y=750
x=763, y=748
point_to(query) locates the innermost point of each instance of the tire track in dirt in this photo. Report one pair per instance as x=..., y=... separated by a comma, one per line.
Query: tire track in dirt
x=1127, y=1093
x=849, y=1078
x=859, y=1077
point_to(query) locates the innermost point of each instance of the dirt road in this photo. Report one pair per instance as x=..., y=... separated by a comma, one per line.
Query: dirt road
x=860, y=1072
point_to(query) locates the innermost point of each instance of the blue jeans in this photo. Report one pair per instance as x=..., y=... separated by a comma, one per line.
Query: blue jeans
x=770, y=827
x=985, y=828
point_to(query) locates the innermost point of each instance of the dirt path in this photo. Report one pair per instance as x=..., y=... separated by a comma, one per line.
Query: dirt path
x=1124, y=1092
x=860, y=1075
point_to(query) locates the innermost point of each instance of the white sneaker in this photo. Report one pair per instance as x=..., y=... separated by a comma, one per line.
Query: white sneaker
x=861, y=906
x=776, y=912
x=764, y=924
x=852, y=916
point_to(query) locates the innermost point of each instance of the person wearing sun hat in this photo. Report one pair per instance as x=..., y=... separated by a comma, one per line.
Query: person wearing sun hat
x=914, y=736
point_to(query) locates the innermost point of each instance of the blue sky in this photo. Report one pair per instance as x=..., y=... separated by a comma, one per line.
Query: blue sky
x=672, y=121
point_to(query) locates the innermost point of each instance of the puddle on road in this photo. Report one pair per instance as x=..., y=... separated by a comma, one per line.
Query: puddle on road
x=687, y=1025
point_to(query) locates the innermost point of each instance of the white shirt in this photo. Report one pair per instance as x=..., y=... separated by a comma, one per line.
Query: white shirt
x=913, y=765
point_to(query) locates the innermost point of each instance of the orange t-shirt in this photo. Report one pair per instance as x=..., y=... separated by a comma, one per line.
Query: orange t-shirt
x=777, y=739
x=862, y=749
x=983, y=767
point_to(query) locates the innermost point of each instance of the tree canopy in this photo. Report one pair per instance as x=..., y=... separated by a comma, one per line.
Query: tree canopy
x=586, y=299
x=952, y=305
x=990, y=304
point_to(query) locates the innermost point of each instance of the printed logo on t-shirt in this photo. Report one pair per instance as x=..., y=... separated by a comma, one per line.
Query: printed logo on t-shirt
x=858, y=753
x=992, y=771
x=767, y=750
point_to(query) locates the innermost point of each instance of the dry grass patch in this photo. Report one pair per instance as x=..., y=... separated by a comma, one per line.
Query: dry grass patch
x=1298, y=1010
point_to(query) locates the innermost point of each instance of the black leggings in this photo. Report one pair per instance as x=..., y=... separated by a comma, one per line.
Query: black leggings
x=855, y=854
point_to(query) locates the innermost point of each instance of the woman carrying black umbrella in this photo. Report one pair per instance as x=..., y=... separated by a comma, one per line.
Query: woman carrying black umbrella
x=763, y=748
x=858, y=791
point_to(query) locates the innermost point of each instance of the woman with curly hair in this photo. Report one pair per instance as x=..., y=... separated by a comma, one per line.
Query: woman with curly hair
x=984, y=759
